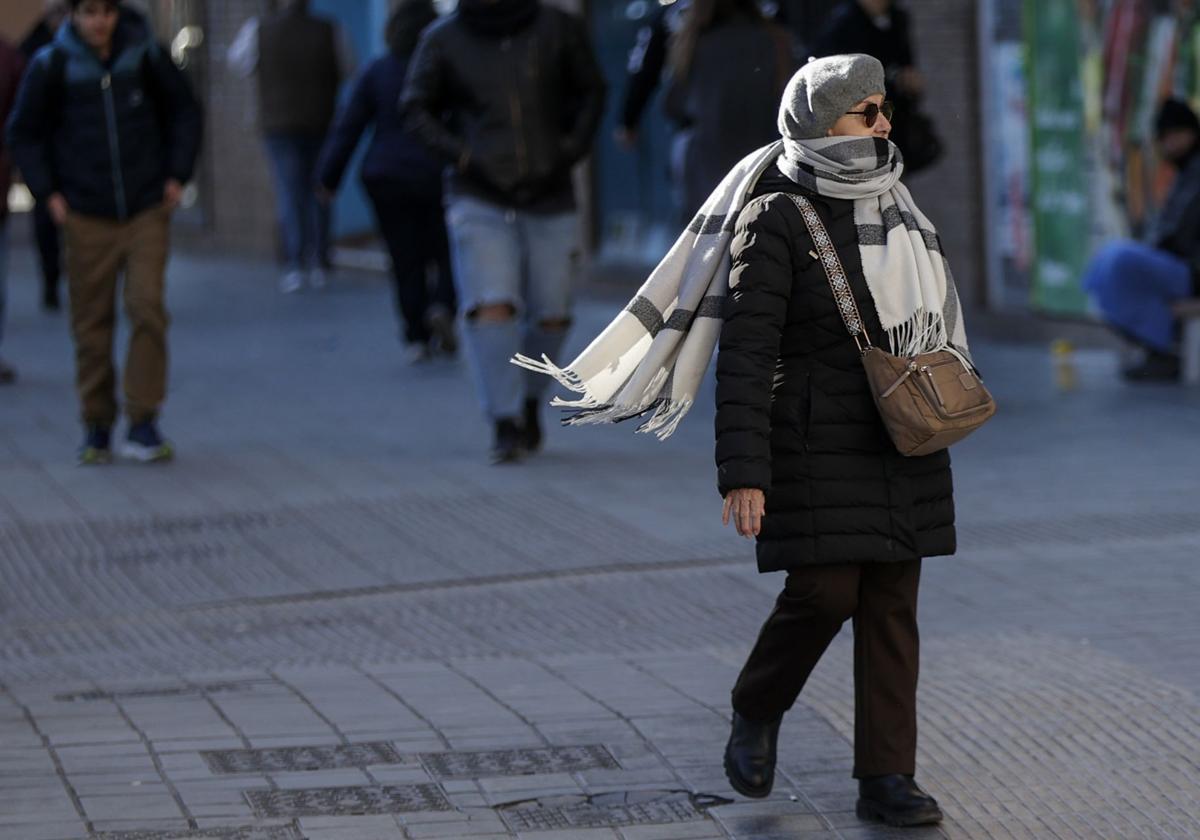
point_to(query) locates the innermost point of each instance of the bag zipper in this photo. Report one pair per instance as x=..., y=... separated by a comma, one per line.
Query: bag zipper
x=908, y=371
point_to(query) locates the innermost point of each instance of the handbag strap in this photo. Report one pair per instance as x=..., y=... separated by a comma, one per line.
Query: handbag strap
x=839, y=283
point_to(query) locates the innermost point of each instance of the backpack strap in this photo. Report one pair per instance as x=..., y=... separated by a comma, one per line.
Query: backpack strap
x=839, y=283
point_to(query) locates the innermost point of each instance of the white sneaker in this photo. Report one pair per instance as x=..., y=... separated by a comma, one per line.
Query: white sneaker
x=318, y=278
x=291, y=282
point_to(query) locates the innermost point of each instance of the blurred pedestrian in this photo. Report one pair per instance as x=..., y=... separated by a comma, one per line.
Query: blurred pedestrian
x=106, y=132
x=404, y=182
x=728, y=66
x=805, y=463
x=1134, y=284
x=883, y=29
x=11, y=65
x=510, y=94
x=45, y=231
x=299, y=60
x=647, y=62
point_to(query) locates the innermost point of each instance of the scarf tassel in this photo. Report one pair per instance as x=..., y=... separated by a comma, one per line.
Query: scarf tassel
x=668, y=414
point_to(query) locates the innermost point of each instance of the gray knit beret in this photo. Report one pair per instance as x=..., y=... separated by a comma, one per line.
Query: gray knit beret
x=823, y=90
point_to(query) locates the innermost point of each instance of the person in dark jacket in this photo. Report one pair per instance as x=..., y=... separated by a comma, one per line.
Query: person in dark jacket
x=1134, y=284
x=299, y=60
x=11, y=66
x=805, y=463
x=404, y=182
x=45, y=231
x=509, y=94
x=883, y=29
x=728, y=66
x=106, y=132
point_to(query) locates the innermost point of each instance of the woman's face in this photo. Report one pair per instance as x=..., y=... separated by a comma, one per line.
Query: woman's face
x=855, y=124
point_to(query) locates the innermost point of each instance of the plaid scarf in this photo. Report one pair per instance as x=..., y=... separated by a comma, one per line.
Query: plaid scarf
x=653, y=356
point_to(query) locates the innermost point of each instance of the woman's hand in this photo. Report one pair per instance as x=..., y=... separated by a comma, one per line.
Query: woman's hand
x=746, y=507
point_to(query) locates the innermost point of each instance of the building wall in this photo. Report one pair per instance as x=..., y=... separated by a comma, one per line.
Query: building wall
x=17, y=17
x=240, y=205
x=951, y=193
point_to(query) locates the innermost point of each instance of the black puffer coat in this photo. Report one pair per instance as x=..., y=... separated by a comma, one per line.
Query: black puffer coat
x=794, y=414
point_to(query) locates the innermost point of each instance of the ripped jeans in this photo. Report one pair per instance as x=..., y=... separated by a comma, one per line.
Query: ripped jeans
x=528, y=261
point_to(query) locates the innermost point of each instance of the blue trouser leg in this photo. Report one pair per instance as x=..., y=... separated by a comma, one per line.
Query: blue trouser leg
x=1134, y=286
x=487, y=257
x=552, y=249
x=291, y=184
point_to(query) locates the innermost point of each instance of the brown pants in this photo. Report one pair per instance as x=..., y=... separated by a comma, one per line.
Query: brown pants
x=97, y=251
x=816, y=601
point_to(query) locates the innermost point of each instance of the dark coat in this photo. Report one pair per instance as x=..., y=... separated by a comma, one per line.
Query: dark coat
x=1177, y=228
x=107, y=135
x=519, y=109
x=729, y=102
x=795, y=416
x=298, y=72
x=395, y=153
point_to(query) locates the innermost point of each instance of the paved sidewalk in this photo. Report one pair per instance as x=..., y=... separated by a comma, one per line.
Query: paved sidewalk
x=329, y=619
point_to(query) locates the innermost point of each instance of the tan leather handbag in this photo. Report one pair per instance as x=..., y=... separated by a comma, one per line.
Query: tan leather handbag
x=927, y=402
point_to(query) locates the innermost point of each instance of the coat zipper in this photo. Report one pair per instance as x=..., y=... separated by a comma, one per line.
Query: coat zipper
x=114, y=146
x=514, y=107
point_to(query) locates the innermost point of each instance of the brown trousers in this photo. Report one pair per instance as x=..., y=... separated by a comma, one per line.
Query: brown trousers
x=816, y=601
x=97, y=251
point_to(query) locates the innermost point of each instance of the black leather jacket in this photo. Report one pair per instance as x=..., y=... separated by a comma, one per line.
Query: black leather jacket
x=512, y=113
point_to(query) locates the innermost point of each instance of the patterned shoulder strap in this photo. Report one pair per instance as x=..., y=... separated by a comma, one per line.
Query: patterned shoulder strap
x=839, y=283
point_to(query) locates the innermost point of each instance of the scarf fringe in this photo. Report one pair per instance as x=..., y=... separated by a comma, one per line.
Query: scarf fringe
x=566, y=377
x=924, y=332
x=668, y=414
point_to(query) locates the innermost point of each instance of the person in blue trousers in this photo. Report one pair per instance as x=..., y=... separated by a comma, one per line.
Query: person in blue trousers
x=1135, y=284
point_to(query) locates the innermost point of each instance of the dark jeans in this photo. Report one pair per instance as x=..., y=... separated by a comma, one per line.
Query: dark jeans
x=48, y=244
x=816, y=601
x=303, y=220
x=414, y=227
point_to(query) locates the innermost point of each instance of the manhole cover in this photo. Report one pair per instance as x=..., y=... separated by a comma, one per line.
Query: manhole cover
x=638, y=807
x=165, y=691
x=270, y=832
x=524, y=762
x=347, y=801
x=296, y=759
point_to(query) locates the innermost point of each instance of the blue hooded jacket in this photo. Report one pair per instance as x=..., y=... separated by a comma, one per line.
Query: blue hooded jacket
x=107, y=135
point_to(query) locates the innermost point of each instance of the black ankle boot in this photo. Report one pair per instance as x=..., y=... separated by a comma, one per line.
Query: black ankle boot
x=750, y=756
x=896, y=800
x=507, y=446
x=531, y=429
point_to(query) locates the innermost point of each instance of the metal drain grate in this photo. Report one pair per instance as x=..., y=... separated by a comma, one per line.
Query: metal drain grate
x=268, y=832
x=607, y=810
x=523, y=762
x=165, y=691
x=347, y=801
x=297, y=759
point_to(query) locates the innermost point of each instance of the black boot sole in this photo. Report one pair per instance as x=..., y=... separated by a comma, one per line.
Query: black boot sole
x=867, y=810
x=738, y=784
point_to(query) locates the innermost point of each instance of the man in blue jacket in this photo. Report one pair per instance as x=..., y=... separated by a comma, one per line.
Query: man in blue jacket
x=106, y=131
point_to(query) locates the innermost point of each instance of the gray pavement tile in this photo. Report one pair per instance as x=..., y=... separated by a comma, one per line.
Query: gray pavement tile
x=47, y=829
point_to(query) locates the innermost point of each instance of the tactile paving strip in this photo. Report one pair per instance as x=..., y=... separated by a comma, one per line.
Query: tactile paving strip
x=347, y=801
x=623, y=808
x=299, y=759
x=523, y=762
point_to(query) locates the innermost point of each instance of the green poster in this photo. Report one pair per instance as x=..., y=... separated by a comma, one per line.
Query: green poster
x=1061, y=218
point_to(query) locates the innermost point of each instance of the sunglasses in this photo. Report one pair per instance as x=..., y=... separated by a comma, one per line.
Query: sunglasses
x=870, y=113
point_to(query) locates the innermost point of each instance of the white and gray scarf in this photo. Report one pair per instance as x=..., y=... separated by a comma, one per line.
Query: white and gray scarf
x=653, y=356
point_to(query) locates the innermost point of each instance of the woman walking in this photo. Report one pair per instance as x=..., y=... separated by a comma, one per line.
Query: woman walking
x=404, y=183
x=805, y=463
